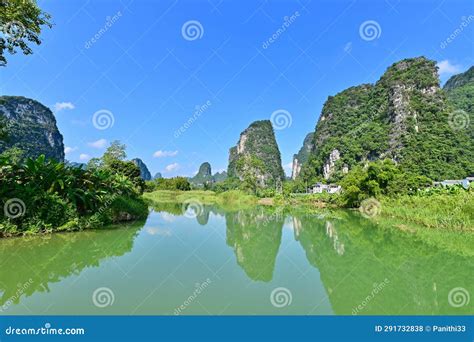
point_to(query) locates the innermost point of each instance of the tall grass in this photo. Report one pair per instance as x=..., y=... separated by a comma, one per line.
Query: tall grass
x=445, y=211
x=235, y=198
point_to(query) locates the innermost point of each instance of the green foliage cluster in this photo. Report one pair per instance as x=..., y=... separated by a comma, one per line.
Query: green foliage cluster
x=250, y=169
x=230, y=183
x=113, y=162
x=176, y=183
x=21, y=22
x=248, y=185
x=57, y=197
x=380, y=178
x=3, y=129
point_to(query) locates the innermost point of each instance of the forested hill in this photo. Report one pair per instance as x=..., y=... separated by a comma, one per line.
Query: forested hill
x=405, y=116
x=460, y=91
x=257, y=154
x=460, y=80
x=30, y=127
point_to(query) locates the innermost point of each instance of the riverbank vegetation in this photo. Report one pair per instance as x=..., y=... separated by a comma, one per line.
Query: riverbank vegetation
x=42, y=196
x=449, y=209
x=232, y=198
x=390, y=191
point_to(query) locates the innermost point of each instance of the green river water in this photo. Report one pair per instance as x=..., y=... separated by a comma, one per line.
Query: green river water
x=224, y=262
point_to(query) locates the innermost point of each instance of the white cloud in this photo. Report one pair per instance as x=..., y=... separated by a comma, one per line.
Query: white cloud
x=98, y=144
x=84, y=156
x=59, y=106
x=68, y=149
x=445, y=67
x=160, y=154
x=172, y=167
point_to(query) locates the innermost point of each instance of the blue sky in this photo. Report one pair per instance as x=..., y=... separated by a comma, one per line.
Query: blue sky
x=149, y=74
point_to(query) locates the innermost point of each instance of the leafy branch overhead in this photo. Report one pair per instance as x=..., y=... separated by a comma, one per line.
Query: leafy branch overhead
x=21, y=22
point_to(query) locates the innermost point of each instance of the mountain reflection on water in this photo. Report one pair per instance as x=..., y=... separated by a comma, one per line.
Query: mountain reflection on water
x=353, y=256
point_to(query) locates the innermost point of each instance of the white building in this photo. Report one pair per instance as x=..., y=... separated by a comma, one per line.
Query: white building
x=319, y=188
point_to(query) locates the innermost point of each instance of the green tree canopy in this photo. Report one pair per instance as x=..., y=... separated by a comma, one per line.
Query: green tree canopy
x=116, y=151
x=21, y=22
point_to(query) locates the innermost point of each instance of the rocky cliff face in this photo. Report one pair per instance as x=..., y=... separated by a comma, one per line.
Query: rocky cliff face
x=31, y=127
x=257, y=142
x=144, y=172
x=404, y=116
x=302, y=156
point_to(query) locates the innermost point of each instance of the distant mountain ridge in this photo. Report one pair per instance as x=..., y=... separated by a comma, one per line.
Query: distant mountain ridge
x=205, y=176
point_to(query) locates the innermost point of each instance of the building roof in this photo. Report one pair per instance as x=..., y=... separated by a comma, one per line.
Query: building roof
x=453, y=181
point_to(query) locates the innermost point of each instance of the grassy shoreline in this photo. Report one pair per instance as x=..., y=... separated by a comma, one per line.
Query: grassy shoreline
x=453, y=212
x=447, y=212
x=234, y=198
